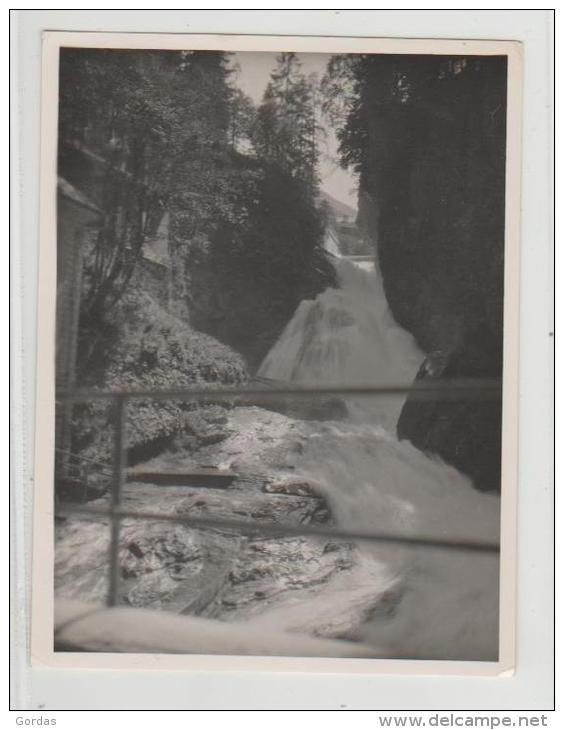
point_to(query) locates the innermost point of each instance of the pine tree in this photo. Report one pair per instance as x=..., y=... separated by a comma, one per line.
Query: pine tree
x=242, y=119
x=286, y=129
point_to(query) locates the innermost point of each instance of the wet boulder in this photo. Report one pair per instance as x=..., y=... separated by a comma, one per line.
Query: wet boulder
x=464, y=430
x=204, y=427
x=291, y=485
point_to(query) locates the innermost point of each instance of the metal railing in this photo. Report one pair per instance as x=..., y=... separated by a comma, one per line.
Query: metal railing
x=456, y=389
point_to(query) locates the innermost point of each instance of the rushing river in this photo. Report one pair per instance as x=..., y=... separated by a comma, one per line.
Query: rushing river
x=449, y=600
x=400, y=601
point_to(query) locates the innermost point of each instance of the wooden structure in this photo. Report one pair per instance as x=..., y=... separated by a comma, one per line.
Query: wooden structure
x=76, y=214
x=210, y=478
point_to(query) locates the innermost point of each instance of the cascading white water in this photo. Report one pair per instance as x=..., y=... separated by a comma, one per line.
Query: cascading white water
x=449, y=606
x=347, y=337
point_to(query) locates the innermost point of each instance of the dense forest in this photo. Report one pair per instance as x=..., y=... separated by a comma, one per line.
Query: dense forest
x=149, y=132
x=150, y=136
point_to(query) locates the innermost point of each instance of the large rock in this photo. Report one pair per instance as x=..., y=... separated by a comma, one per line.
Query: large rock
x=464, y=431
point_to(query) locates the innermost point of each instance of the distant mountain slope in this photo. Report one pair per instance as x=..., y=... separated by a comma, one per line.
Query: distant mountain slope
x=351, y=240
x=339, y=208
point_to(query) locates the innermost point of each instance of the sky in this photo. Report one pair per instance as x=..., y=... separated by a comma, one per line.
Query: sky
x=253, y=78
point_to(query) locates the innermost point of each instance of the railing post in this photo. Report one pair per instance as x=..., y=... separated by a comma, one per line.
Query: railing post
x=117, y=484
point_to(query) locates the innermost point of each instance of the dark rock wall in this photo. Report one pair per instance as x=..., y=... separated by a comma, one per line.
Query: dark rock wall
x=432, y=184
x=432, y=198
x=465, y=432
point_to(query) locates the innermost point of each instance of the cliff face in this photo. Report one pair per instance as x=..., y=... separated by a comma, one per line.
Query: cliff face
x=463, y=431
x=432, y=190
x=433, y=201
x=458, y=319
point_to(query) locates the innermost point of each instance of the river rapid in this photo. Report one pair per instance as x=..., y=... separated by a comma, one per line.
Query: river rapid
x=448, y=607
x=347, y=469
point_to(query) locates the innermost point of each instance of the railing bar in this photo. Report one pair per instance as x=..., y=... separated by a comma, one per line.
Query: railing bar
x=116, y=492
x=451, y=388
x=284, y=530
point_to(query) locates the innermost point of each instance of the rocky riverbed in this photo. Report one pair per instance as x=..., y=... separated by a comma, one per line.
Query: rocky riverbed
x=312, y=585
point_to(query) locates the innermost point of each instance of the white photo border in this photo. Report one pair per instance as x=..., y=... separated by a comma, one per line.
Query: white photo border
x=531, y=685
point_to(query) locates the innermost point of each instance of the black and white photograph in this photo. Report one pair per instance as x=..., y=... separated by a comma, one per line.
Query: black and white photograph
x=279, y=357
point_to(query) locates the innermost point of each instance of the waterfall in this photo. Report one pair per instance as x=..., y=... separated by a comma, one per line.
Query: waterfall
x=402, y=601
x=348, y=337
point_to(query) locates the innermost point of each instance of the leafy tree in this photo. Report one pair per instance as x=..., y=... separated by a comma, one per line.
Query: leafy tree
x=141, y=132
x=149, y=132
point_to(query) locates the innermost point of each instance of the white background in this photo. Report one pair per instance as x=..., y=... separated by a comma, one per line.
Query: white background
x=531, y=686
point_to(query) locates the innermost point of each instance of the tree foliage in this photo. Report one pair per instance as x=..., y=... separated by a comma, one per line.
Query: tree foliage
x=426, y=135
x=134, y=126
x=242, y=120
x=286, y=128
x=257, y=268
x=148, y=132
